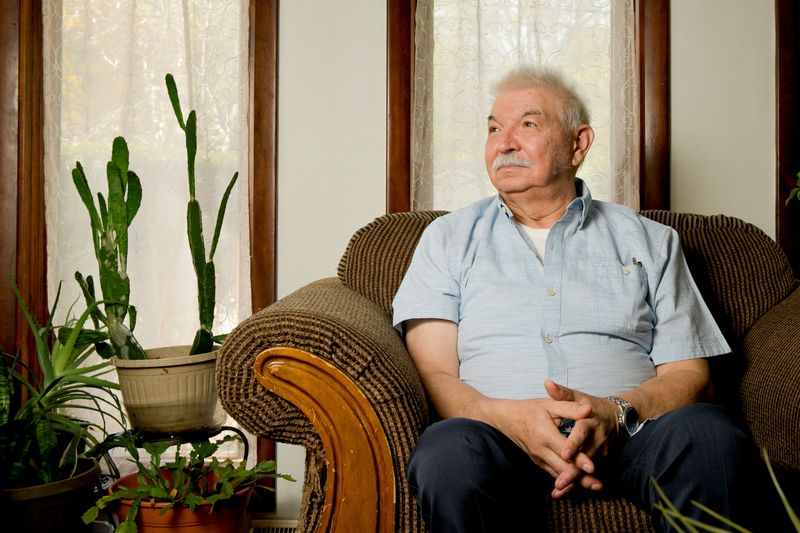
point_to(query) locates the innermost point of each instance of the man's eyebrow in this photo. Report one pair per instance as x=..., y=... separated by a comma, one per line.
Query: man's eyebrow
x=532, y=112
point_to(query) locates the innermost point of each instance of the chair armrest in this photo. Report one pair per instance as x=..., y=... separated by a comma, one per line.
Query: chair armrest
x=338, y=328
x=770, y=395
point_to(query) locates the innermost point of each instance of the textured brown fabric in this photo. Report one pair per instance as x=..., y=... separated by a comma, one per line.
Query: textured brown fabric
x=770, y=388
x=581, y=514
x=341, y=326
x=739, y=270
x=742, y=274
x=378, y=255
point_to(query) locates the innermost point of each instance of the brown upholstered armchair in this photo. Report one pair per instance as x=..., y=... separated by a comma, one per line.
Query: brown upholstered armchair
x=323, y=368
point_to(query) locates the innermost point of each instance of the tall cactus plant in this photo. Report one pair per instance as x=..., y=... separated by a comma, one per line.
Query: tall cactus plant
x=110, y=221
x=203, y=265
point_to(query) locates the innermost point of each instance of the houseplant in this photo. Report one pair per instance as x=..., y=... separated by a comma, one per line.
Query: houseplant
x=185, y=493
x=203, y=265
x=182, y=398
x=795, y=192
x=41, y=469
x=682, y=523
x=109, y=222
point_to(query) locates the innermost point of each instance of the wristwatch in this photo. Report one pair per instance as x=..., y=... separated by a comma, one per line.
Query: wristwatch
x=627, y=418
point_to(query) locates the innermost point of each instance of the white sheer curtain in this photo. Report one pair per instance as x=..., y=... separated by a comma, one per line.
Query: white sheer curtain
x=464, y=46
x=105, y=62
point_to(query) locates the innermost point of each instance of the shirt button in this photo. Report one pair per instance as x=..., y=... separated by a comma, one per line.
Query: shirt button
x=548, y=339
x=551, y=292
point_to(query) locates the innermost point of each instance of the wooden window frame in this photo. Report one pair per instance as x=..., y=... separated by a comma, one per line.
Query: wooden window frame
x=652, y=20
x=787, y=118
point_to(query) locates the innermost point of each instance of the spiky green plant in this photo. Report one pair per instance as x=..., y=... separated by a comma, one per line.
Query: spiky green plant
x=203, y=264
x=109, y=222
x=795, y=192
x=684, y=524
x=39, y=442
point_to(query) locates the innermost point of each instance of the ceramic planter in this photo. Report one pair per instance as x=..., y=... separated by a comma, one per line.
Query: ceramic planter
x=227, y=516
x=40, y=508
x=171, y=392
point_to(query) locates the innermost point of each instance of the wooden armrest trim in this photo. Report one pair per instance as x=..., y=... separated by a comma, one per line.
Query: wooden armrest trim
x=360, y=480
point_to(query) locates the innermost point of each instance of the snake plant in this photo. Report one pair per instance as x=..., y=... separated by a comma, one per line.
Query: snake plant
x=39, y=441
x=203, y=264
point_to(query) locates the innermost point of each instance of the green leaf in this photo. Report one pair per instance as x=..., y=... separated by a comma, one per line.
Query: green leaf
x=90, y=516
x=207, y=297
x=101, y=204
x=120, y=159
x=221, y=215
x=789, y=511
x=85, y=193
x=172, y=91
x=134, y=200
x=194, y=230
x=203, y=342
x=6, y=388
x=191, y=149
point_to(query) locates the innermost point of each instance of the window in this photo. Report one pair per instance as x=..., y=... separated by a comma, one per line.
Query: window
x=463, y=46
x=652, y=57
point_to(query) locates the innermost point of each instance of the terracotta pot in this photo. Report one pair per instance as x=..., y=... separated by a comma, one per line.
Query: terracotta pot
x=41, y=507
x=171, y=392
x=227, y=516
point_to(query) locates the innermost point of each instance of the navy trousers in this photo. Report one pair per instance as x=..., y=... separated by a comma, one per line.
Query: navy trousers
x=468, y=477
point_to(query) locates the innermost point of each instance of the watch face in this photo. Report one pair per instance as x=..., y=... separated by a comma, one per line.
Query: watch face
x=631, y=420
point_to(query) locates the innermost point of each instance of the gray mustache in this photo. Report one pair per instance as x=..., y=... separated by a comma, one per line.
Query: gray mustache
x=511, y=159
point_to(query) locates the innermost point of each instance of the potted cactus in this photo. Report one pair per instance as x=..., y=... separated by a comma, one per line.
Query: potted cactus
x=109, y=222
x=169, y=389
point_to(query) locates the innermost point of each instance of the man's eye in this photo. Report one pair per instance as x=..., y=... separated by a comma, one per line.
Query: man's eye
x=529, y=124
x=493, y=129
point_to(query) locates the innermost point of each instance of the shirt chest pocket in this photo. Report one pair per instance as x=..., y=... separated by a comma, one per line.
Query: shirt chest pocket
x=616, y=294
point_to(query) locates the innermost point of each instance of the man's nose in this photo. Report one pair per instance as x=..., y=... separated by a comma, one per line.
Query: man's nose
x=508, y=142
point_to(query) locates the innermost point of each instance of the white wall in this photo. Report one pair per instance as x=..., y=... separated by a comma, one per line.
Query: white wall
x=331, y=149
x=723, y=109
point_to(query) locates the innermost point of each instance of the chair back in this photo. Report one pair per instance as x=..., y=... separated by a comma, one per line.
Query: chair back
x=740, y=271
x=378, y=255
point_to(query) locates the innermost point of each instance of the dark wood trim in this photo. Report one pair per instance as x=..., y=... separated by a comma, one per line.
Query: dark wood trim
x=787, y=80
x=400, y=88
x=653, y=49
x=9, y=109
x=652, y=20
x=263, y=175
x=23, y=177
x=263, y=150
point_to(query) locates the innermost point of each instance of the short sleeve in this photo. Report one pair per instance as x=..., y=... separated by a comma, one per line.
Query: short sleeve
x=429, y=288
x=685, y=328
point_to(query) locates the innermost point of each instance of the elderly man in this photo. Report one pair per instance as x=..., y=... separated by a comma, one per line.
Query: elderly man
x=561, y=339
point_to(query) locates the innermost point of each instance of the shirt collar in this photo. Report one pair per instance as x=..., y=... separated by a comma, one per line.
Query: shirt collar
x=580, y=206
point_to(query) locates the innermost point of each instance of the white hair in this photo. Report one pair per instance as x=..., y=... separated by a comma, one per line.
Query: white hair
x=574, y=112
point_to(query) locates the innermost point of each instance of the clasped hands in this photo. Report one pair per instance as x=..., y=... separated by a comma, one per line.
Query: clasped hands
x=533, y=425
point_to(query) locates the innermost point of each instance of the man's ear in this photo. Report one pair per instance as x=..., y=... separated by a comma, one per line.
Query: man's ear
x=581, y=142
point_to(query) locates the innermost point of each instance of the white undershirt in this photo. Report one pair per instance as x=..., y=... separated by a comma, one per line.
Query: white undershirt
x=535, y=237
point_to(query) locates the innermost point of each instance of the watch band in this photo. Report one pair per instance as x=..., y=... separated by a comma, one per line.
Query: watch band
x=628, y=417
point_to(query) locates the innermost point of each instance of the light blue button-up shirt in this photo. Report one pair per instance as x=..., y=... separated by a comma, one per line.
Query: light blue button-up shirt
x=613, y=299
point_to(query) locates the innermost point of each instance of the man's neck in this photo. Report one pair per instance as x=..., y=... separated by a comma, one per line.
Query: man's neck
x=541, y=207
